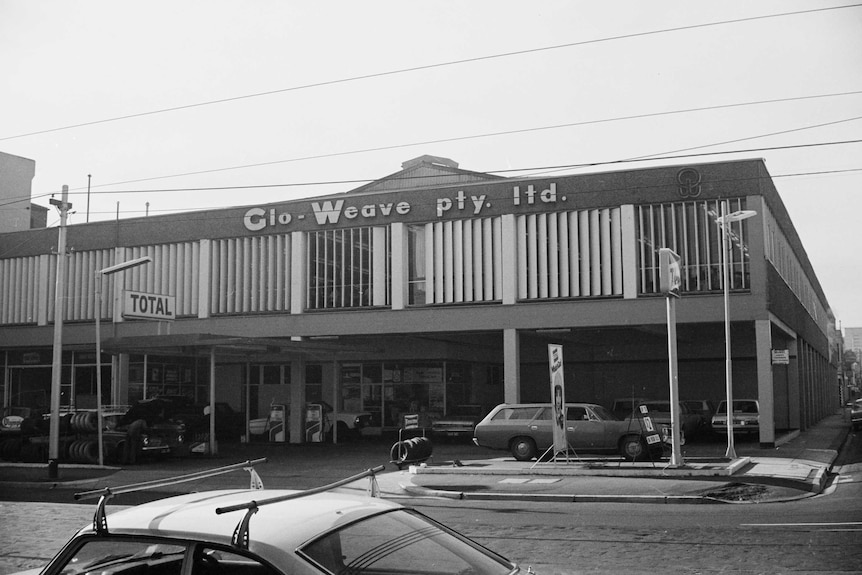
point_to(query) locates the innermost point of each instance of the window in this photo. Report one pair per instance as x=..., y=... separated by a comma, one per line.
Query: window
x=348, y=268
x=690, y=230
x=125, y=555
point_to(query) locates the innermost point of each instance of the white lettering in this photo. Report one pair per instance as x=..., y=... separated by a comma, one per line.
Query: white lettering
x=478, y=202
x=369, y=211
x=549, y=195
x=351, y=212
x=403, y=208
x=460, y=197
x=327, y=214
x=284, y=218
x=253, y=220
x=443, y=205
x=516, y=199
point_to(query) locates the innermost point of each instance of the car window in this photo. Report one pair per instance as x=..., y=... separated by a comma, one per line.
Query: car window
x=400, y=542
x=516, y=413
x=745, y=406
x=211, y=561
x=125, y=555
x=576, y=414
x=603, y=414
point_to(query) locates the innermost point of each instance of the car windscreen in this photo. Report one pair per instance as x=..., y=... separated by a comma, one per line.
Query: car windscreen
x=401, y=541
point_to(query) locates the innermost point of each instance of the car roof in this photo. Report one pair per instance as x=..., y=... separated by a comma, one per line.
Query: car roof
x=537, y=405
x=275, y=530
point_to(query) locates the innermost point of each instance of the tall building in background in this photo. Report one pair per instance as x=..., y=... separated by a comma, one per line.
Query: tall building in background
x=16, y=211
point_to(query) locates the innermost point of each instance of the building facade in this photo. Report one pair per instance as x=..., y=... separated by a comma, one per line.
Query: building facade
x=431, y=288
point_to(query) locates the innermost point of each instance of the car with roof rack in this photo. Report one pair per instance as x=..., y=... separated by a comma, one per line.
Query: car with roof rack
x=257, y=531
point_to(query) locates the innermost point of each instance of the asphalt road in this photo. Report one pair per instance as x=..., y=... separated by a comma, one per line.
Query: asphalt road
x=816, y=535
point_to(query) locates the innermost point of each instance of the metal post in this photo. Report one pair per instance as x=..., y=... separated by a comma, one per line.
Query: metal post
x=728, y=368
x=57, y=363
x=673, y=376
x=98, y=314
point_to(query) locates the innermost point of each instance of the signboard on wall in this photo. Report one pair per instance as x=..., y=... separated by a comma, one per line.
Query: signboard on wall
x=149, y=306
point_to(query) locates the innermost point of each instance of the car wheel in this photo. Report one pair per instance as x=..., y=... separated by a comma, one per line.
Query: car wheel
x=523, y=448
x=633, y=447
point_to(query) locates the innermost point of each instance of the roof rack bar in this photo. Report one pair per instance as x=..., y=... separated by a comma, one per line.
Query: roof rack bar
x=255, y=504
x=240, y=537
x=165, y=482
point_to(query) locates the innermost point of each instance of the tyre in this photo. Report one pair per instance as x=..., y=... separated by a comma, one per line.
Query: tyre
x=633, y=447
x=523, y=448
x=89, y=451
x=89, y=422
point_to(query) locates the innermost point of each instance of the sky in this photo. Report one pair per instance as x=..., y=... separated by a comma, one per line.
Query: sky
x=148, y=102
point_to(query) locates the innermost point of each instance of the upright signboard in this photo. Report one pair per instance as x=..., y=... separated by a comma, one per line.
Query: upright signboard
x=558, y=397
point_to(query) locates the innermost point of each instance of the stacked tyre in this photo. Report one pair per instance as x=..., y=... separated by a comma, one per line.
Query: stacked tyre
x=84, y=451
x=85, y=422
x=413, y=450
x=10, y=449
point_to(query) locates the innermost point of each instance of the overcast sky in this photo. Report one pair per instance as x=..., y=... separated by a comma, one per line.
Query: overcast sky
x=172, y=95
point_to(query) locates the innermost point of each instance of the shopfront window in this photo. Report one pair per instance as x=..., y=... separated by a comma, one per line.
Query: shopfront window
x=389, y=390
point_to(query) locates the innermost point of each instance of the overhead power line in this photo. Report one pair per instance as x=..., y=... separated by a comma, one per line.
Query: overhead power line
x=537, y=169
x=485, y=135
x=428, y=67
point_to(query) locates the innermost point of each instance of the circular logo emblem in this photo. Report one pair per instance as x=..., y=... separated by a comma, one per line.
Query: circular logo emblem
x=689, y=183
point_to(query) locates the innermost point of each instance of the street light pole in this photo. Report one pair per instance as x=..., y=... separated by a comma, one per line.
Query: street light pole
x=98, y=313
x=57, y=364
x=724, y=220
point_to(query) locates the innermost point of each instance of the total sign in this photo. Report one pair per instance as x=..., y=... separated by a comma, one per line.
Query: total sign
x=149, y=306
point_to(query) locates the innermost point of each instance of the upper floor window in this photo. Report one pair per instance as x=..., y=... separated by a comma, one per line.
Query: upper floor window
x=690, y=229
x=348, y=268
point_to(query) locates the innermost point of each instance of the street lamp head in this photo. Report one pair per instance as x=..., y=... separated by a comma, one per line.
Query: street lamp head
x=125, y=265
x=736, y=216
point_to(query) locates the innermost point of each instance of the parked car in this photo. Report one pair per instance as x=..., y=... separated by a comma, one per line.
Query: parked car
x=623, y=407
x=746, y=417
x=704, y=407
x=166, y=430
x=856, y=414
x=458, y=423
x=350, y=423
x=270, y=532
x=691, y=424
x=526, y=431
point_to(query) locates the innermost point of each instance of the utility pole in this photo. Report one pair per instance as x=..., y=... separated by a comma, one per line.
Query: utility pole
x=57, y=366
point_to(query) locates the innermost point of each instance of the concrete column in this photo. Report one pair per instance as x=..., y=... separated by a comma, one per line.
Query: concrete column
x=629, y=244
x=511, y=366
x=765, y=392
x=793, y=386
x=44, y=285
x=204, y=281
x=509, y=260
x=378, y=269
x=297, y=400
x=297, y=273
x=400, y=266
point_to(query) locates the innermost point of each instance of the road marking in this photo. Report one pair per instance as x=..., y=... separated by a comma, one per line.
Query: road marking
x=848, y=524
x=522, y=480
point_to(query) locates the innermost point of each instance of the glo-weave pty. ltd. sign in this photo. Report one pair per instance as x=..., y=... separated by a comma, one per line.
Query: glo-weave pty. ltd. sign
x=149, y=306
